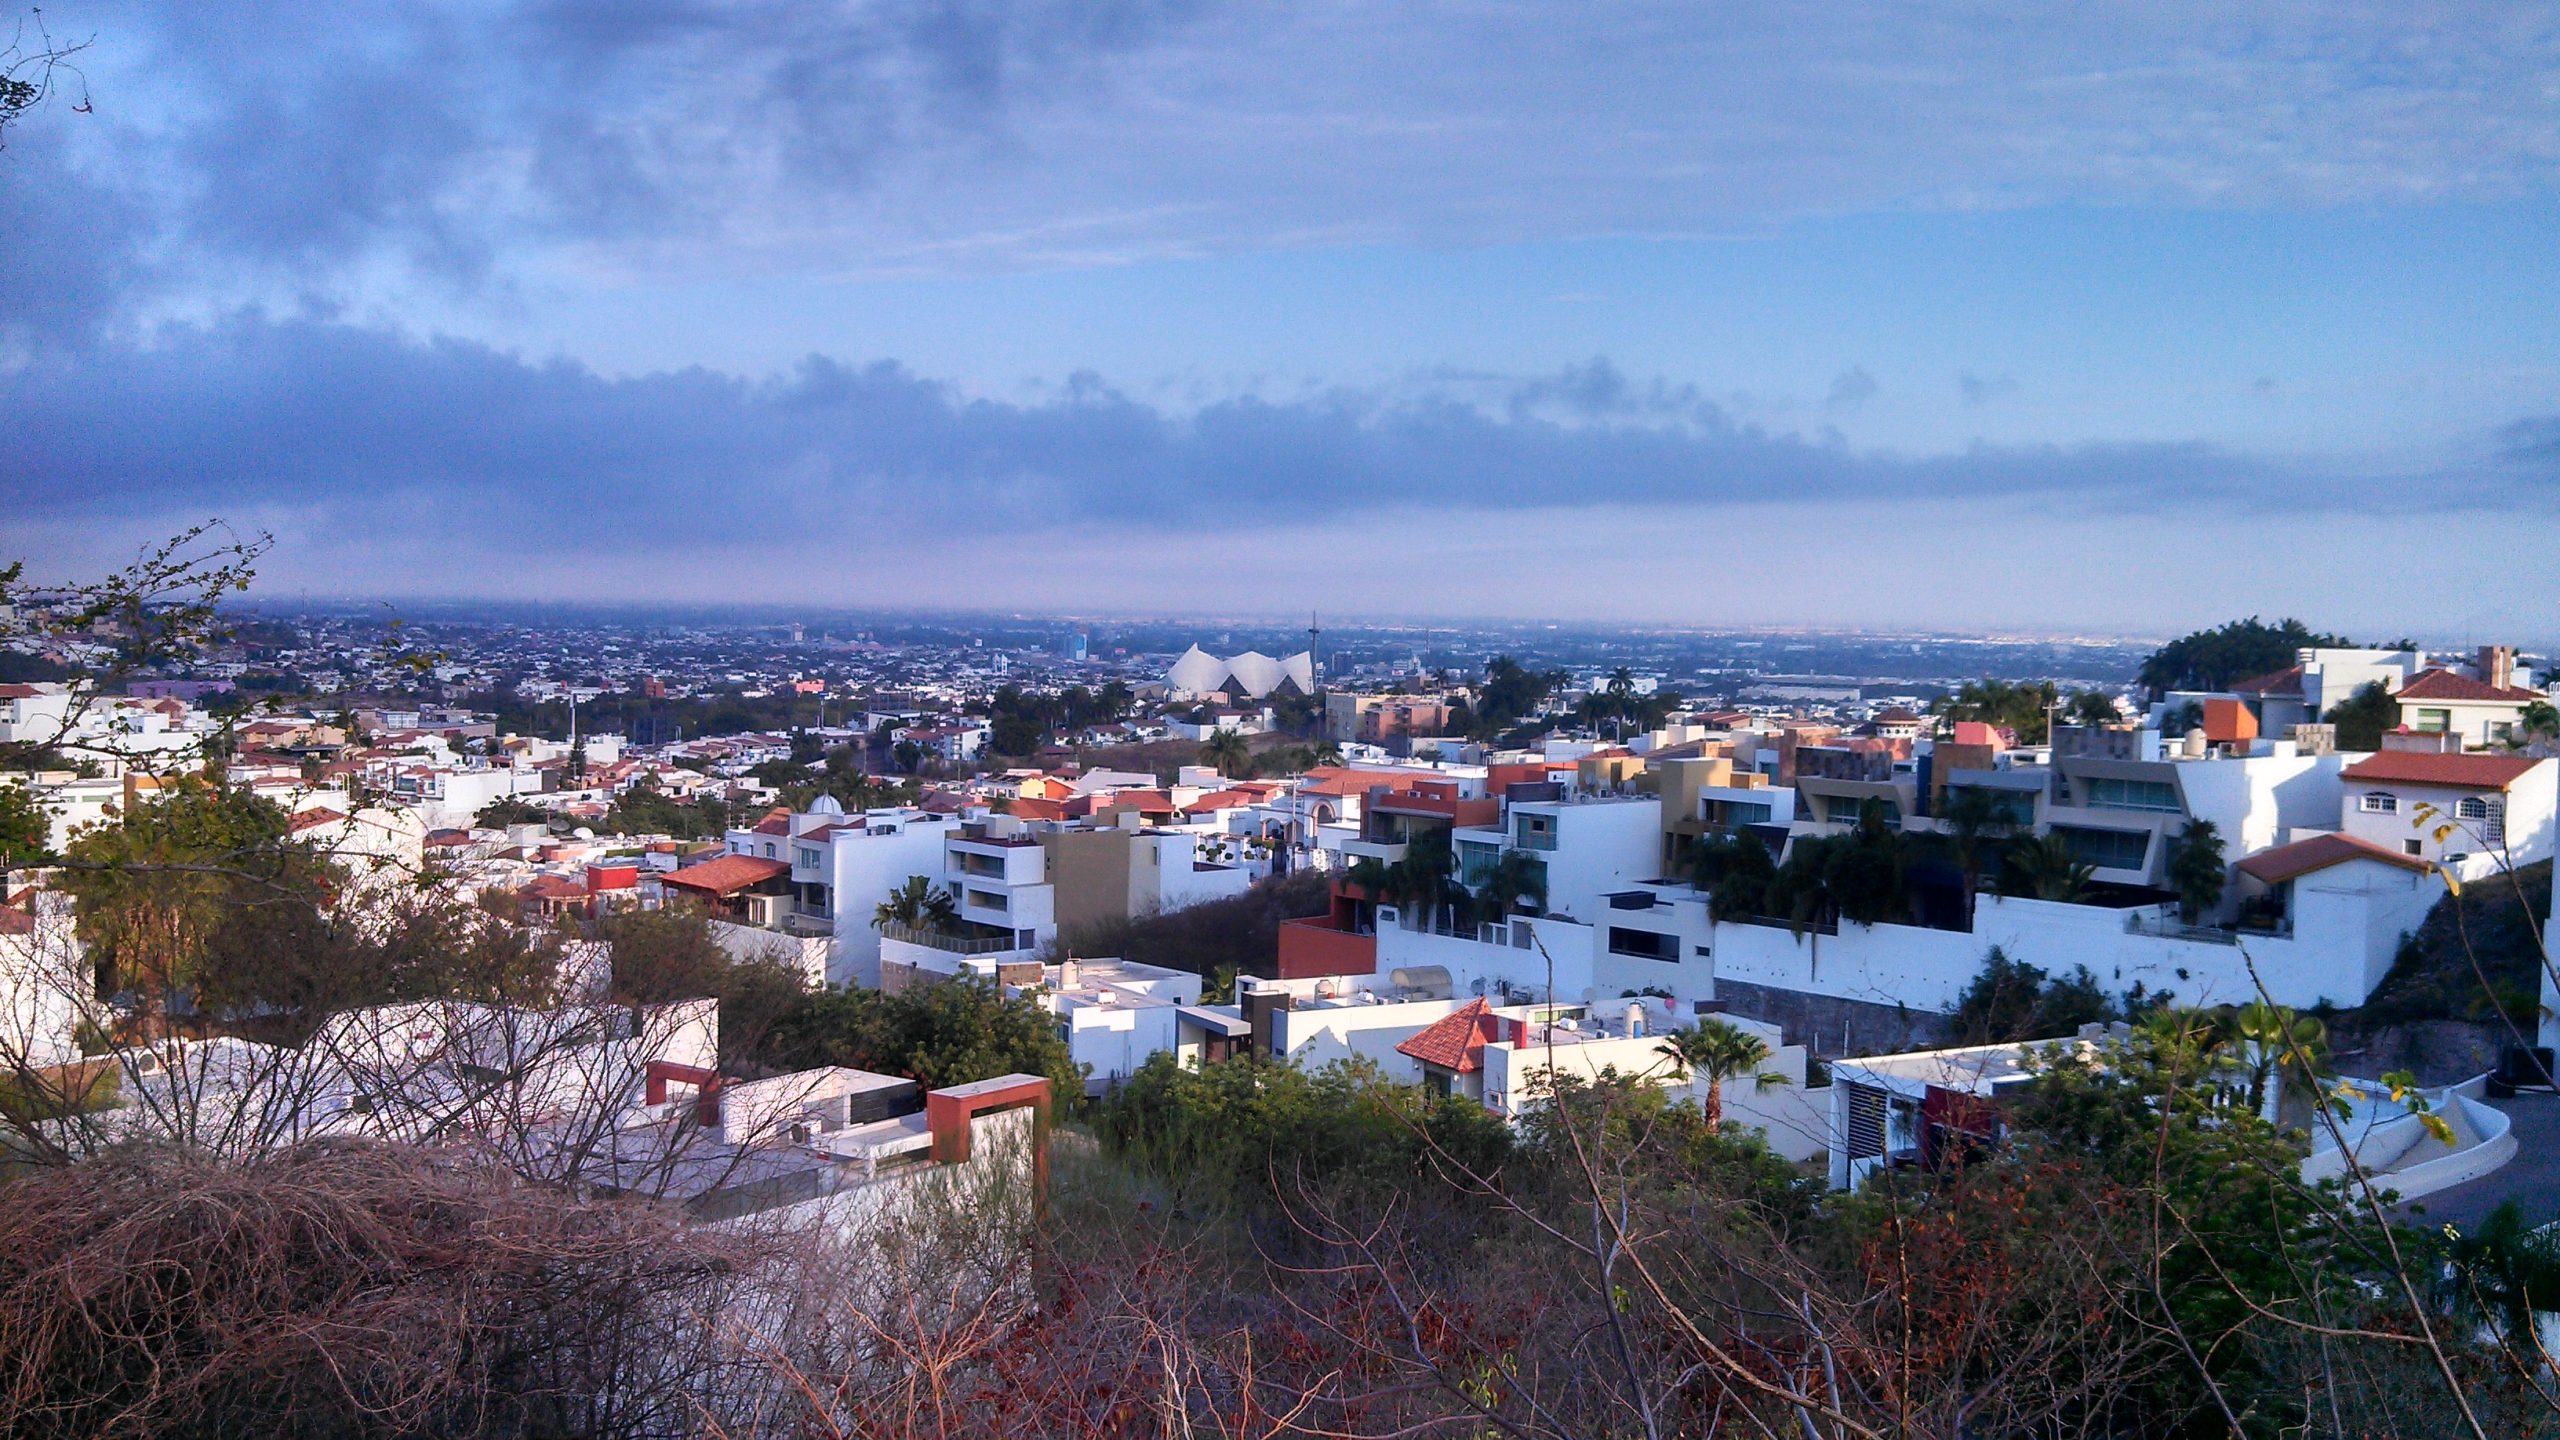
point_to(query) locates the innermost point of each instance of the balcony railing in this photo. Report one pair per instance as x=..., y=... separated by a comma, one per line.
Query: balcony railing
x=2170, y=927
x=950, y=944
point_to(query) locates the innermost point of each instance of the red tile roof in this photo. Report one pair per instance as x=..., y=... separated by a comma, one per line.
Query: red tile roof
x=1223, y=800
x=2445, y=685
x=313, y=819
x=776, y=821
x=555, y=887
x=1456, y=1040
x=2285, y=862
x=2287, y=681
x=2458, y=772
x=1030, y=809
x=728, y=874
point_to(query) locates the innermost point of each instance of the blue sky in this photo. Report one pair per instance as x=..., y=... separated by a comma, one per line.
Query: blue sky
x=2120, y=318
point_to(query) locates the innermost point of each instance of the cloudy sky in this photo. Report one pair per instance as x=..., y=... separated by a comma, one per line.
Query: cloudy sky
x=2101, y=317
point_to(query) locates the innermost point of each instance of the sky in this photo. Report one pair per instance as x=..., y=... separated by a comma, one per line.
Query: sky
x=2102, y=318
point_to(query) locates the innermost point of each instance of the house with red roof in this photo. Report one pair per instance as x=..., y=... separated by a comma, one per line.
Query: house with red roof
x=2467, y=811
x=2482, y=714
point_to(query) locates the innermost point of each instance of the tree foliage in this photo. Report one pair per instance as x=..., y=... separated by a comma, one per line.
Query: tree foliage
x=2362, y=717
x=953, y=1032
x=2235, y=650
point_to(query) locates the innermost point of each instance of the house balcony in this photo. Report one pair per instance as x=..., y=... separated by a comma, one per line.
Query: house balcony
x=949, y=944
x=1324, y=946
x=1385, y=852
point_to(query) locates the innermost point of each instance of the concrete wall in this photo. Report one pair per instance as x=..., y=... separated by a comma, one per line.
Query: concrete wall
x=1313, y=1039
x=864, y=869
x=2348, y=921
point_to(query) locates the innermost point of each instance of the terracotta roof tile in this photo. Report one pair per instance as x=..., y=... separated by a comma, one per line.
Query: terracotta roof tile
x=2457, y=772
x=2287, y=681
x=2284, y=862
x=728, y=874
x=2445, y=685
x=1456, y=1040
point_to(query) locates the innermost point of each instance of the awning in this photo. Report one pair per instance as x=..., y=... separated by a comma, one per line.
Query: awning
x=1234, y=1027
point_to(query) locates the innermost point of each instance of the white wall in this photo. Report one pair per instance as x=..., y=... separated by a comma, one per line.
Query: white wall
x=1313, y=1039
x=866, y=868
x=2347, y=922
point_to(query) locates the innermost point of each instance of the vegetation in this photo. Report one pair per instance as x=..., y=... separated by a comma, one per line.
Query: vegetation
x=2364, y=716
x=918, y=904
x=2044, y=868
x=2010, y=1000
x=2196, y=870
x=1238, y=936
x=666, y=955
x=2237, y=650
x=952, y=1032
x=1511, y=693
x=509, y=810
x=2021, y=705
x=1719, y=1051
x=1227, y=750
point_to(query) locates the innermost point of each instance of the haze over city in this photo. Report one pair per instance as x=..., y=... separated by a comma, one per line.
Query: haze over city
x=2123, y=320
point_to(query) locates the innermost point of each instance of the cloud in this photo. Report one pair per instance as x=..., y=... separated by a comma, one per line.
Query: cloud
x=1978, y=391
x=1851, y=388
x=324, y=145
x=366, y=424
x=2532, y=443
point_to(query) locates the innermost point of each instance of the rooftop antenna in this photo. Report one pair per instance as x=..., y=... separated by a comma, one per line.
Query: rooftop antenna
x=1315, y=651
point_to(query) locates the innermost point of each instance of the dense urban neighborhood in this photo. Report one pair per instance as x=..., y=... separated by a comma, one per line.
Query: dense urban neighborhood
x=783, y=930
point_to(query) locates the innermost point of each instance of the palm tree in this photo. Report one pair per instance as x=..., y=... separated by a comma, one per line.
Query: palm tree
x=1974, y=817
x=1720, y=1051
x=918, y=904
x=1427, y=875
x=1326, y=753
x=2196, y=871
x=2506, y=1272
x=2275, y=1042
x=1227, y=750
x=1515, y=877
x=2044, y=868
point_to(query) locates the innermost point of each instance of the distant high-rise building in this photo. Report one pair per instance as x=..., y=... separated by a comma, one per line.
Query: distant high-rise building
x=1076, y=646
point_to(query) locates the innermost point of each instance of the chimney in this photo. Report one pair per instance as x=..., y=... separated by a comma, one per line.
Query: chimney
x=2497, y=665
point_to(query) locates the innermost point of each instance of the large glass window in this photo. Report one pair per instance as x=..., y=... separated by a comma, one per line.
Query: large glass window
x=1643, y=944
x=1536, y=832
x=2106, y=793
x=2018, y=807
x=2106, y=849
x=2431, y=720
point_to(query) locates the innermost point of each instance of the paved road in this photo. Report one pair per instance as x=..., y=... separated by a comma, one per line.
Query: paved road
x=2531, y=1179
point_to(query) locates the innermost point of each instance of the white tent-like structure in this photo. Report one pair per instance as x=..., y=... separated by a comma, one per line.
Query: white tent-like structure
x=1252, y=673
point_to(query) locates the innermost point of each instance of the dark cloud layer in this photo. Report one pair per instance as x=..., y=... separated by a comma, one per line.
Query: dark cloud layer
x=304, y=413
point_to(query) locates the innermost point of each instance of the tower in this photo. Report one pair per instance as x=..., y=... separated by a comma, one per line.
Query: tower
x=1315, y=652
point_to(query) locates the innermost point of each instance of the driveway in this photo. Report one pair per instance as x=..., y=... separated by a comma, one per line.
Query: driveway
x=2531, y=1179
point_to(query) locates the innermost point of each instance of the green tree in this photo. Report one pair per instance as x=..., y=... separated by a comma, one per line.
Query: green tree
x=2362, y=717
x=1975, y=818
x=195, y=893
x=953, y=1032
x=2236, y=650
x=2091, y=707
x=1736, y=872
x=1514, y=877
x=1229, y=751
x=2269, y=1042
x=1720, y=1051
x=918, y=904
x=2196, y=870
x=26, y=829
x=2010, y=1000
x=2538, y=720
x=2044, y=868
x=2020, y=705
x=666, y=955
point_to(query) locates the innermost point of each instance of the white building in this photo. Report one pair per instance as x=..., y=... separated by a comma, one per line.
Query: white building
x=2472, y=813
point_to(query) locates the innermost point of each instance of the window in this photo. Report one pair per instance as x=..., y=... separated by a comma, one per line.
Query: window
x=2018, y=807
x=1643, y=944
x=768, y=850
x=2409, y=847
x=2431, y=720
x=2379, y=802
x=805, y=858
x=2111, y=794
x=1537, y=832
x=2487, y=815
x=1844, y=809
x=2106, y=849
